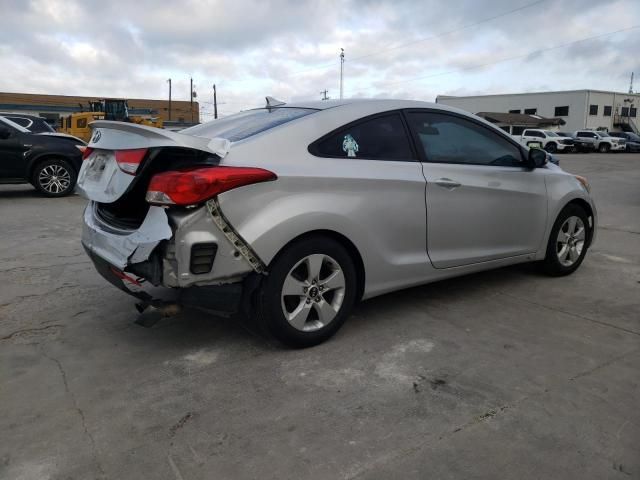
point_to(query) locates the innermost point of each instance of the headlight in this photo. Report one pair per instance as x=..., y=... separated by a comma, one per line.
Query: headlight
x=584, y=182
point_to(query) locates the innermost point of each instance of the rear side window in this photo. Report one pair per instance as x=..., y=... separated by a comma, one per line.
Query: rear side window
x=246, y=124
x=451, y=139
x=379, y=138
x=23, y=122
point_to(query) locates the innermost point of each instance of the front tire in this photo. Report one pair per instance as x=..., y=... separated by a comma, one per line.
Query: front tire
x=551, y=147
x=568, y=242
x=604, y=148
x=54, y=177
x=309, y=292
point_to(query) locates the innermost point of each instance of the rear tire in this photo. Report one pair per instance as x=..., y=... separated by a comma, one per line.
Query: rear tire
x=54, y=177
x=309, y=292
x=568, y=242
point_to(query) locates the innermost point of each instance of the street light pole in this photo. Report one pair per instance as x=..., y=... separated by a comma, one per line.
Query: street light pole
x=215, y=103
x=341, y=72
x=169, y=99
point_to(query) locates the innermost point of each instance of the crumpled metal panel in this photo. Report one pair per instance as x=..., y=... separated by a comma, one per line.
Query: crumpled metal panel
x=119, y=250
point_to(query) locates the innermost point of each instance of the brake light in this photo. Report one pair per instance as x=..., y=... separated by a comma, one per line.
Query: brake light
x=129, y=160
x=86, y=151
x=188, y=187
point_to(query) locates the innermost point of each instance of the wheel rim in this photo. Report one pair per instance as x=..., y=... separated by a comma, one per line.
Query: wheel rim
x=313, y=292
x=570, y=241
x=54, y=179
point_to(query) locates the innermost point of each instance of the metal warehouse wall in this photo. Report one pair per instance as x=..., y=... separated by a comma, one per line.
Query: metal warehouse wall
x=63, y=105
x=578, y=102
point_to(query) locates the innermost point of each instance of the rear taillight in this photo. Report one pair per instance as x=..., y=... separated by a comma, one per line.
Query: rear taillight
x=188, y=187
x=129, y=160
x=86, y=151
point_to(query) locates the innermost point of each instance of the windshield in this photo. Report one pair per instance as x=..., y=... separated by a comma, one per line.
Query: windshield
x=14, y=125
x=602, y=135
x=551, y=134
x=246, y=124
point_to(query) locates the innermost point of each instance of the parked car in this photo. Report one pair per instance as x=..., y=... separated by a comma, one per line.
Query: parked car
x=293, y=213
x=48, y=161
x=601, y=141
x=579, y=144
x=546, y=139
x=632, y=143
x=32, y=123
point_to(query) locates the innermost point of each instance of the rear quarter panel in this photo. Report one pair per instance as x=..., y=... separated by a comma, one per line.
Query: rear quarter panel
x=369, y=202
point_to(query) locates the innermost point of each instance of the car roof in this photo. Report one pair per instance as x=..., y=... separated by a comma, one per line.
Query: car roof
x=382, y=103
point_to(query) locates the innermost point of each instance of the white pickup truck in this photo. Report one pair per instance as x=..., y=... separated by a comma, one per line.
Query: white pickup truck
x=550, y=141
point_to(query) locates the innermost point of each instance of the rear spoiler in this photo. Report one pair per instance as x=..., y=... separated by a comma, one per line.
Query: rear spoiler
x=122, y=135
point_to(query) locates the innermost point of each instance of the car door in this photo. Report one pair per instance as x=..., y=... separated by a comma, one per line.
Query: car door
x=482, y=203
x=12, y=145
x=373, y=170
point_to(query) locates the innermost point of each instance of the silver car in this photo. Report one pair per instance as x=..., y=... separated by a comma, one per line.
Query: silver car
x=290, y=214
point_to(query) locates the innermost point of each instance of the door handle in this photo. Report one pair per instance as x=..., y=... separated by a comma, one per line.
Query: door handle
x=447, y=183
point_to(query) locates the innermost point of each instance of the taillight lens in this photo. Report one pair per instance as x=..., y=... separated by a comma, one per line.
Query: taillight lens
x=191, y=186
x=129, y=160
x=86, y=151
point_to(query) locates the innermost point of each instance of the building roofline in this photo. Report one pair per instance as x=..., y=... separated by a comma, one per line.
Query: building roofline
x=586, y=90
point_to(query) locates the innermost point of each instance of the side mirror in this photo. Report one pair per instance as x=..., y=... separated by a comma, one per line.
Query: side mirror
x=537, y=158
x=4, y=133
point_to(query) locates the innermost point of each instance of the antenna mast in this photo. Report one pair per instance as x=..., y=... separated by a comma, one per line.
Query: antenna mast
x=631, y=84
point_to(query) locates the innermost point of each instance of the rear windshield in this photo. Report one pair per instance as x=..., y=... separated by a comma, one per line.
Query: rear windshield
x=245, y=124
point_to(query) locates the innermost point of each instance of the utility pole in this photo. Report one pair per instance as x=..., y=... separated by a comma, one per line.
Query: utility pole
x=341, y=72
x=631, y=85
x=215, y=103
x=324, y=94
x=191, y=97
x=169, y=99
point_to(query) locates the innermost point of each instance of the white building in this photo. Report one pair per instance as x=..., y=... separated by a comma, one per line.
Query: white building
x=593, y=109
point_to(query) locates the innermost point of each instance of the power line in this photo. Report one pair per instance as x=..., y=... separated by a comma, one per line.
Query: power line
x=449, y=32
x=424, y=39
x=515, y=57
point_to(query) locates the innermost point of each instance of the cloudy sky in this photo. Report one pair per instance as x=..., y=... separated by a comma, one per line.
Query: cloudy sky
x=289, y=49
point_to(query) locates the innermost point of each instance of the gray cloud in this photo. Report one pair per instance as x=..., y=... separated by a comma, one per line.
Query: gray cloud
x=249, y=48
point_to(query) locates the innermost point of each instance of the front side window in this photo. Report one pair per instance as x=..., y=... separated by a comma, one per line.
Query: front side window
x=561, y=111
x=607, y=111
x=451, y=139
x=379, y=138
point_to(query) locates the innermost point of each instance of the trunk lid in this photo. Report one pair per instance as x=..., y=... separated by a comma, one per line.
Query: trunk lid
x=102, y=180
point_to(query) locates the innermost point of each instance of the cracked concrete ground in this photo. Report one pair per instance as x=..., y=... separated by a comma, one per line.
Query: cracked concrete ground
x=504, y=374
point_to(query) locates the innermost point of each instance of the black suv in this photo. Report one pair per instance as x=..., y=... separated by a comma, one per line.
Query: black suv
x=48, y=161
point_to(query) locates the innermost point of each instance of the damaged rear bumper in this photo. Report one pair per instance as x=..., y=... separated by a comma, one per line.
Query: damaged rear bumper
x=155, y=263
x=220, y=299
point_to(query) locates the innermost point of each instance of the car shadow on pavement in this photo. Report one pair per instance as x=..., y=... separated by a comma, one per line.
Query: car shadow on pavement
x=193, y=329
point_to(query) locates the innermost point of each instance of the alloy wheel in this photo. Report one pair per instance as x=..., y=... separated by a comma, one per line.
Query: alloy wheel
x=313, y=292
x=54, y=179
x=570, y=241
